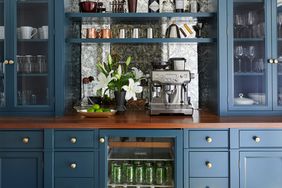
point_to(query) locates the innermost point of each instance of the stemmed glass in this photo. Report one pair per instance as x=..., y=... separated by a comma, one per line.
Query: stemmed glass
x=280, y=24
x=239, y=24
x=251, y=56
x=239, y=51
x=251, y=21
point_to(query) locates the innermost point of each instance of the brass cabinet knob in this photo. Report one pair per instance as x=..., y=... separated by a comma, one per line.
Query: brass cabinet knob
x=209, y=139
x=102, y=140
x=271, y=61
x=73, y=165
x=257, y=139
x=275, y=61
x=25, y=140
x=6, y=62
x=209, y=164
x=11, y=62
x=73, y=140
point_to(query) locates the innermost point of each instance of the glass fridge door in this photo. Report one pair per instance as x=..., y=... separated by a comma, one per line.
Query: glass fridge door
x=249, y=86
x=32, y=53
x=2, y=55
x=140, y=162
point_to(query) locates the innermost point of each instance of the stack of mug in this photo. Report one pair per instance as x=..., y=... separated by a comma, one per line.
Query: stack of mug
x=28, y=32
x=2, y=32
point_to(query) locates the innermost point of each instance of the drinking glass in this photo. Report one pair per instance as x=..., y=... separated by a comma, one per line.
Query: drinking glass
x=250, y=22
x=251, y=56
x=280, y=24
x=239, y=51
x=239, y=25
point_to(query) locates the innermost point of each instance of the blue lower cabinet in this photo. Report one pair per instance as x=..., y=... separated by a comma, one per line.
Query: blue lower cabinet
x=74, y=164
x=261, y=169
x=209, y=164
x=209, y=183
x=74, y=183
x=21, y=169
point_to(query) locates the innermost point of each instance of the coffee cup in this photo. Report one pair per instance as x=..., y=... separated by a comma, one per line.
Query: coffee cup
x=43, y=32
x=2, y=32
x=122, y=33
x=135, y=33
x=28, y=32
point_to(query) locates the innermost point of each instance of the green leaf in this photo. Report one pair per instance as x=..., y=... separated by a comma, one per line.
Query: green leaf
x=128, y=61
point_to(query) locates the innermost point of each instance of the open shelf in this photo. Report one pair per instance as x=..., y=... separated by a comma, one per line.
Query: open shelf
x=80, y=16
x=143, y=40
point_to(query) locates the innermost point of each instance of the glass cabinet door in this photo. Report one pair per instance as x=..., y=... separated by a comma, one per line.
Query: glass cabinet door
x=138, y=161
x=32, y=53
x=2, y=56
x=249, y=85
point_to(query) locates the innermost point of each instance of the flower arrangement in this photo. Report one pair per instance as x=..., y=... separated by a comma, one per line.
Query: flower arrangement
x=119, y=77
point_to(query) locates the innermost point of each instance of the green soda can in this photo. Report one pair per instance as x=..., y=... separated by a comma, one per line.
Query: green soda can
x=149, y=174
x=113, y=164
x=124, y=171
x=168, y=173
x=116, y=178
x=160, y=174
x=129, y=174
x=139, y=173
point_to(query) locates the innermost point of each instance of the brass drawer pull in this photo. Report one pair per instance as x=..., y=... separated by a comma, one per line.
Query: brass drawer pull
x=73, y=165
x=11, y=62
x=102, y=140
x=6, y=62
x=209, y=139
x=25, y=140
x=73, y=140
x=209, y=164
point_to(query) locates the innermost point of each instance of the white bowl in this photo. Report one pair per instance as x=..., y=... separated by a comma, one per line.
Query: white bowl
x=259, y=98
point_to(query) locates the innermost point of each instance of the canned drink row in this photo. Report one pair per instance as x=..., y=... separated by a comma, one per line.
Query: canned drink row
x=141, y=173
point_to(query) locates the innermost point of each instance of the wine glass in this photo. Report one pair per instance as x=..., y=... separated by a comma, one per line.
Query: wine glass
x=250, y=22
x=280, y=24
x=239, y=25
x=251, y=56
x=239, y=51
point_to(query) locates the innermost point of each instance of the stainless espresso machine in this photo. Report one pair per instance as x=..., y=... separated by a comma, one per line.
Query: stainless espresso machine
x=169, y=92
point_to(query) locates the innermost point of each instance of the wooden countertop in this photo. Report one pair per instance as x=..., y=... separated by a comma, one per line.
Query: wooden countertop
x=141, y=120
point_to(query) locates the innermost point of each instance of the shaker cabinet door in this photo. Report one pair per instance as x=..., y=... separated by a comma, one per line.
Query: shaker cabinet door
x=261, y=169
x=21, y=169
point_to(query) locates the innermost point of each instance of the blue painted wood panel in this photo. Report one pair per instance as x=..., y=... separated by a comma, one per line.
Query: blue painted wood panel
x=209, y=183
x=208, y=139
x=21, y=169
x=261, y=169
x=199, y=161
x=84, y=162
x=74, y=183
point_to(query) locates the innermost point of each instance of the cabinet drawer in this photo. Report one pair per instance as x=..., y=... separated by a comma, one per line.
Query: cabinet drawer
x=74, y=183
x=74, y=164
x=74, y=139
x=261, y=138
x=208, y=139
x=21, y=139
x=209, y=183
x=208, y=164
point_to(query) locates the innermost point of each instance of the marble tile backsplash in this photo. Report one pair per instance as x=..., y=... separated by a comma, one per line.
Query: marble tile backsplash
x=87, y=55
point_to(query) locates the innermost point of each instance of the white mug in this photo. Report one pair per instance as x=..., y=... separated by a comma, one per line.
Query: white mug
x=122, y=33
x=135, y=33
x=28, y=32
x=43, y=32
x=150, y=32
x=2, y=32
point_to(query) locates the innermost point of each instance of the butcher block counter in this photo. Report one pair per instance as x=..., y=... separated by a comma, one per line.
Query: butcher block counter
x=142, y=120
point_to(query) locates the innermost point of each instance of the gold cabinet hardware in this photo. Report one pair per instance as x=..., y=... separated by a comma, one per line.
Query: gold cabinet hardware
x=6, y=62
x=275, y=61
x=209, y=139
x=73, y=140
x=25, y=140
x=102, y=140
x=11, y=62
x=73, y=165
x=209, y=164
x=271, y=61
x=257, y=139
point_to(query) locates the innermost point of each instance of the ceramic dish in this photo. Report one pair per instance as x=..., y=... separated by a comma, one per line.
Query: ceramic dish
x=83, y=111
x=259, y=98
x=241, y=100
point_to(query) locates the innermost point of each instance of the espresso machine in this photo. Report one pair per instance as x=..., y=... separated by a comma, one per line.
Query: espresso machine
x=169, y=92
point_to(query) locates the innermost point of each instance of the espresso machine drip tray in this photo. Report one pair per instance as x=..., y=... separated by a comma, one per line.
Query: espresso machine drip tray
x=158, y=109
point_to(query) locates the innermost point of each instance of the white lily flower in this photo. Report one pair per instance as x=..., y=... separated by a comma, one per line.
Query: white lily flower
x=137, y=72
x=132, y=89
x=103, y=82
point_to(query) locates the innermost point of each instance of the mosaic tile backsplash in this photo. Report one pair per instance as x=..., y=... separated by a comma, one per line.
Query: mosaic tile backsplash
x=142, y=54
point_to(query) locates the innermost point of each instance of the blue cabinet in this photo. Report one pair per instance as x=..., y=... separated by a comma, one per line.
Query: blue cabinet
x=27, y=57
x=250, y=73
x=260, y=169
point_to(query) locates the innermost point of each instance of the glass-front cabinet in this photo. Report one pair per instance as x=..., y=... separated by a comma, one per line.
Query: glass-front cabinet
x=147, y=159
x=254, y=55
x=27, y=60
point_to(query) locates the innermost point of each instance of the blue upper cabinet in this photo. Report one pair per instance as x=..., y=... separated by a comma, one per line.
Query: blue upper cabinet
x=253, y=81
x=27, y=57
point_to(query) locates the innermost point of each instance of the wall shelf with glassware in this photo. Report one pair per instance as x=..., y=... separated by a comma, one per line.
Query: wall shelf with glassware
x=143, y=40
x=81, y=16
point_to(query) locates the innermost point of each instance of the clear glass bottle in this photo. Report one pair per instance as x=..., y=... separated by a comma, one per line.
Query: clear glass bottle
x=193, y=6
